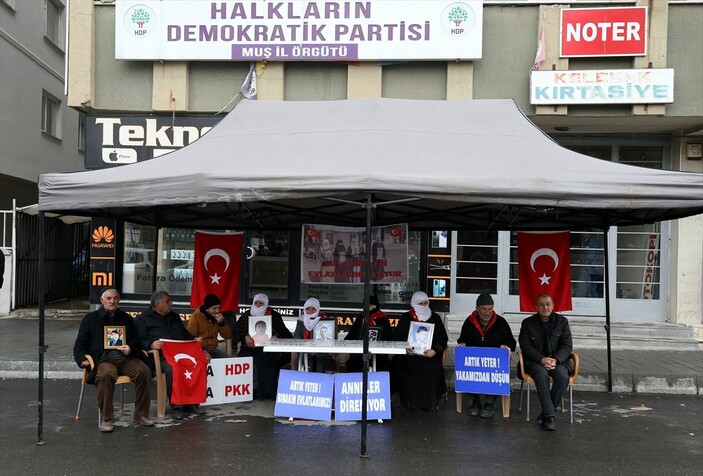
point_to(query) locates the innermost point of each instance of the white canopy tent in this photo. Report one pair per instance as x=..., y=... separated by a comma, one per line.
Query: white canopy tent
x=432, y=164
x=461, y=164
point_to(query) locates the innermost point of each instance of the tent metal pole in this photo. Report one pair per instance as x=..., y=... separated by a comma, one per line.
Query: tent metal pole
x=42, y=347
x=606, y=293
x=365, y=327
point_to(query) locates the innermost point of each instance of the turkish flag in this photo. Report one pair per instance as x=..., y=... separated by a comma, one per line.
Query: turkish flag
x=189, y=365
x=216, y=268
x=544, y=267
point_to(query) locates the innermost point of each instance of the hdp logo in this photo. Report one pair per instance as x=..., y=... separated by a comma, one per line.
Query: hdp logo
x=140, y=20
x=458, y=19
x=103, y=233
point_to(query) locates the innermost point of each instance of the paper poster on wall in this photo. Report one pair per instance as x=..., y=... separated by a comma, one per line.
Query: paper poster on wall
x=336, y=255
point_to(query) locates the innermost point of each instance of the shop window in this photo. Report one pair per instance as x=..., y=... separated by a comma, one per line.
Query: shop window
x=50, y=114
x=477, y=262
x=638, y=262
x=138, y=260
x=174, y=264
x=268, y=264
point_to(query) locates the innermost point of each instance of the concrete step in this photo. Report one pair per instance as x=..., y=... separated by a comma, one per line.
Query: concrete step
x=591, y=334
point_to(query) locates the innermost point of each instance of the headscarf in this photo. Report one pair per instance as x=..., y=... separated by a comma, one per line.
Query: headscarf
x=259, y=311
x=310, y=320
x=423, y=313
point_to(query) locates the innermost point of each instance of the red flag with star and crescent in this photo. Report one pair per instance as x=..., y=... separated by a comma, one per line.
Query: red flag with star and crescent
x=216, y=268
x=189, y=365
x=544, y=266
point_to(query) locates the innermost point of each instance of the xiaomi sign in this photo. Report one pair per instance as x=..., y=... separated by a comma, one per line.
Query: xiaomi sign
x=603, y=32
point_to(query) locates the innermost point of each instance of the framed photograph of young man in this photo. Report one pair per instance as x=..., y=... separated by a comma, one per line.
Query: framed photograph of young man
x=260, y=329
x=114, y=337
x=420, y=336
x=324, y=331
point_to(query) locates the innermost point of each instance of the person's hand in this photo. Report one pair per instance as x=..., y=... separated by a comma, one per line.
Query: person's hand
x=85, y=364
x=219, y=317
x=198, y=339
x=510, y=352
x=429, y=353
x=124, y=349
x=409, y=351
x=548, y=363
x=462, y=345
x=157, y=345
x=208, y=357
x=249, y=341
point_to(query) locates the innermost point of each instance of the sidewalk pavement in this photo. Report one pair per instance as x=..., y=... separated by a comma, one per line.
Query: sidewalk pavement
x=640, y=371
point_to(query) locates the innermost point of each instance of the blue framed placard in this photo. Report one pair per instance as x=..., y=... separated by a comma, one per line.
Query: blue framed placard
x=484, y=370
x=304, y=395
x=348, y=393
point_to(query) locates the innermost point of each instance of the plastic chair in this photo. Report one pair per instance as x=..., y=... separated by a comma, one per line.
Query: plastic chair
x=525, y=378
x=121, y=380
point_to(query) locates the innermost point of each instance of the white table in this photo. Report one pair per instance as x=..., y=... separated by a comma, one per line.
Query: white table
x=307, y=346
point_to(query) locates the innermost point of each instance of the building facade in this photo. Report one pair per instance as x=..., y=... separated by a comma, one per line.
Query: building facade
x=39, y=132
x=146, y=91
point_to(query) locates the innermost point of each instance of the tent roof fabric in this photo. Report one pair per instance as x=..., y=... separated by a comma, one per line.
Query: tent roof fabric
x=457, y=164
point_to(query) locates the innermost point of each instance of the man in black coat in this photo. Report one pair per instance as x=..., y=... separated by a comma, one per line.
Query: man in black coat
x=160, y=322
x=485, y=328
x=127, y=359
x=545, y=341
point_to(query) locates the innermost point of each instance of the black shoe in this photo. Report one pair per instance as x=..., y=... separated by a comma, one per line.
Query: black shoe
x=540, y=420
x=475, y=409
x=487, y=411
x=194, y=410
x=548, y=424
x=177, y=413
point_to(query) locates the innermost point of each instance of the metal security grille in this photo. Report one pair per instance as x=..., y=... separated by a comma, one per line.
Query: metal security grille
x=67, y=261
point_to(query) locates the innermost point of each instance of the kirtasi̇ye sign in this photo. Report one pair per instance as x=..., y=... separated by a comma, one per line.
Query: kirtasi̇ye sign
x=602, y=86
x=603, y=32
x=298, y=30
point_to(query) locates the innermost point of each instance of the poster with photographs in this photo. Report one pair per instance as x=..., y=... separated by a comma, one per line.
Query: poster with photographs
x=115, y=336
x=420, y=336
x=260, y=329
x=324, y=331
x=336, y=255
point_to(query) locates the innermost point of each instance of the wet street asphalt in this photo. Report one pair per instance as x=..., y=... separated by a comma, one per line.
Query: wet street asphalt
x=628, y=434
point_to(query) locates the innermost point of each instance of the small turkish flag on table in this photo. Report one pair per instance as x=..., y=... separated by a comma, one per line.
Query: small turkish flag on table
x=544, y=267
x=189, y=365
x=216, y=268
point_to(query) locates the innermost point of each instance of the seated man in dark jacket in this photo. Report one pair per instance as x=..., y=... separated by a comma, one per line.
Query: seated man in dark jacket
x=160, y=322
x=545, y=342
x=485, y=328
x=127, y=359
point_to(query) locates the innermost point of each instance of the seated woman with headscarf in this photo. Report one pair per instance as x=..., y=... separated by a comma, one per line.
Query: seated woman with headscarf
x=304, y=328
x=378, y=320
x=267, y=365
x=419, y=378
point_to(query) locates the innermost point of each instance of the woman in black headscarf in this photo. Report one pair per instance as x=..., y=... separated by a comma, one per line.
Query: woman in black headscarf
x=381, y=324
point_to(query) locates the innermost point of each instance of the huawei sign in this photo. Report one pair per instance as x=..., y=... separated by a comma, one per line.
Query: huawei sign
x=103, y=237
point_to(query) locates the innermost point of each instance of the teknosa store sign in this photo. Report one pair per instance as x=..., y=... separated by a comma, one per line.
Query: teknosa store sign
x=603, y=32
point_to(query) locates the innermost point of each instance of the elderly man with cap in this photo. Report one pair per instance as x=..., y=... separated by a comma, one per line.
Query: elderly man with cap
x=485, y=328
x=127, y=359
x=207, y=322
